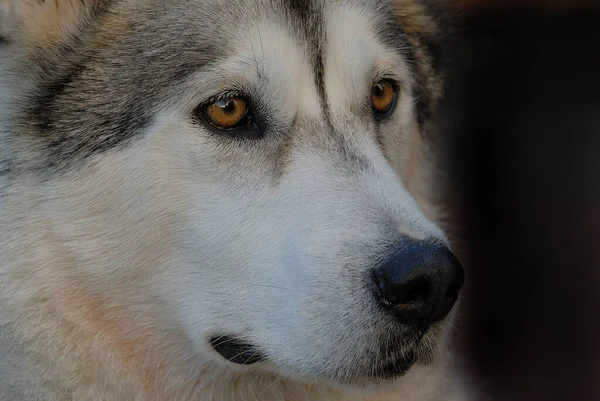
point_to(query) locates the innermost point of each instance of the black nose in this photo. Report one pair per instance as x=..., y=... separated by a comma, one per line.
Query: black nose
x=419, y=283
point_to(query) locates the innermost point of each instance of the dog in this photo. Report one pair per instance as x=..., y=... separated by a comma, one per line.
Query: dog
x=222, y=200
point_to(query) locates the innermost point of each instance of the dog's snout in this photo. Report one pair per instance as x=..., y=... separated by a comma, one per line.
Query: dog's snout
x=419, y=283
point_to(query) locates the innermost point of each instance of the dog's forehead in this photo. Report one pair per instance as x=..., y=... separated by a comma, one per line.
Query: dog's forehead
x=288, y=41
x=311, y=23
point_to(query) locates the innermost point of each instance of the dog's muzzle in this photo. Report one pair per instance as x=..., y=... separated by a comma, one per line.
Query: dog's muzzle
x=416, y=287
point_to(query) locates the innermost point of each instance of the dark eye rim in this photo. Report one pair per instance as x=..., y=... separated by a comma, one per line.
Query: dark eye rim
x=250, y=126
x=389, y=112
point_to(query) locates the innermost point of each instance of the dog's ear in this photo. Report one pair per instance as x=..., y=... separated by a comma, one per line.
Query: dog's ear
x=35, y=24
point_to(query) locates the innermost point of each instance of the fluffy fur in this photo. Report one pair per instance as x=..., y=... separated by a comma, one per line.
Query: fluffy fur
x=130, y=233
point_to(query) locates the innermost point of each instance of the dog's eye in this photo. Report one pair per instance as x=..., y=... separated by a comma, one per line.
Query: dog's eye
x=383, y=97
x=228, y=113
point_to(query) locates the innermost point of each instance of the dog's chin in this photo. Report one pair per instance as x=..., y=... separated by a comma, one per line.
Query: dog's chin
x=391, y=375
x=376, y=377
x=384, y=379
x=392, y=369
x=396, y=364
x=381, y=377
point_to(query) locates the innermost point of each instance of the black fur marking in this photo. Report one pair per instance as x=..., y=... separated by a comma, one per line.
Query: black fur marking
x=88, y=111
x=346, y=156
x=424, y=112
x=320, y=81
x=308, y=18
x=435, y=49
x=106, y=128
x=303, y=10
x=43, y=100
x=393, y=35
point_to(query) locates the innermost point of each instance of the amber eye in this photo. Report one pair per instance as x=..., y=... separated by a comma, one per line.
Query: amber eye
x=228, y=113
x=383, y=96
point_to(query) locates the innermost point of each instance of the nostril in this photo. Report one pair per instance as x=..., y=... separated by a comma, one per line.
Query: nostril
x=418, y=293
x=414, y=293
x=411, y=293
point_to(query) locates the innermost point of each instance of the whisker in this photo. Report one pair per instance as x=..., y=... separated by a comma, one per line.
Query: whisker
x=273, y=383
x=270, y=286
x=216, y=343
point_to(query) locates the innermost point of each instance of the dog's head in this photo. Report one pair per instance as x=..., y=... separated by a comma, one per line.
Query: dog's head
x=257, y=167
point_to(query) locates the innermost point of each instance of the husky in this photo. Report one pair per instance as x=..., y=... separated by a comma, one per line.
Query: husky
x=222, y=200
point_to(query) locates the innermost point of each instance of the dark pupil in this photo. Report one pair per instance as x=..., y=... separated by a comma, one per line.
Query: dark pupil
x=378, y=90
x=229, y=106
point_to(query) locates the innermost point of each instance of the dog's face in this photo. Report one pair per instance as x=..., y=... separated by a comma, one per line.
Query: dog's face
x=250, y=162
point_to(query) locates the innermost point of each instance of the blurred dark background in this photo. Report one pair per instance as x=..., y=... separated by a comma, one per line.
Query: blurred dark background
x=522, y=125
